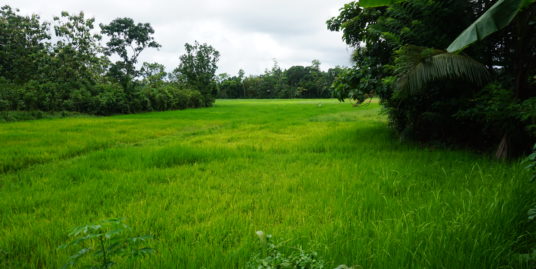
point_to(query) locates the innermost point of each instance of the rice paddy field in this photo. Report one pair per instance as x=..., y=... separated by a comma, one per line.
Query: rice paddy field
x=316, y=174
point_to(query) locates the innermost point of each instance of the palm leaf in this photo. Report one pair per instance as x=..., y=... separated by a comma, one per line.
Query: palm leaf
x=494, y=19
x=418, y=66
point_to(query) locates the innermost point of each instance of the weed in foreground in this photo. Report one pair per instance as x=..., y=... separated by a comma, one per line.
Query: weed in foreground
x=101, y=243
x=273, y=256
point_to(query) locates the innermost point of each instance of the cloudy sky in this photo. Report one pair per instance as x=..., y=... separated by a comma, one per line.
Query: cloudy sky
x=248, y=33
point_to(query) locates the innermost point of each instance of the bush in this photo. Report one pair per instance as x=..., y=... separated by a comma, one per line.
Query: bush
x=98, y=99
x=457, y=113
x=273, y=256
x=111, y=100
x=171, y=97
x=102, y=244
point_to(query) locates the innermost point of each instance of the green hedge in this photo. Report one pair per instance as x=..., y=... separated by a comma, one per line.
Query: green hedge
x=99, y=99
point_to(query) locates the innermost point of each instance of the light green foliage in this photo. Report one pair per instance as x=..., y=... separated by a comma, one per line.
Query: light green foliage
x=323, y=175
x=103, y=242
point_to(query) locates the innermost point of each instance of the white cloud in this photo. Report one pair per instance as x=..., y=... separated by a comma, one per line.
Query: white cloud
x=249, y=34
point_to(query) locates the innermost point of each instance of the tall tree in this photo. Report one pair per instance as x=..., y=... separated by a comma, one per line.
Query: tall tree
x=127, y=39
x=197, y=69
x=399, y=40
x=24, y=42
x=153, y=74
x=77, y=53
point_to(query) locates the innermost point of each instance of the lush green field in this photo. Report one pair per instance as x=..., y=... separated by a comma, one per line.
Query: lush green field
x=325, y=176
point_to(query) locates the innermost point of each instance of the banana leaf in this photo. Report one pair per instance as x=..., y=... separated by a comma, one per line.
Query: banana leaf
x=494, y=19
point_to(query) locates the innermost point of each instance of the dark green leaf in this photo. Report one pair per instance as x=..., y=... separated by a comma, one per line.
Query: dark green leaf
x=494, y=19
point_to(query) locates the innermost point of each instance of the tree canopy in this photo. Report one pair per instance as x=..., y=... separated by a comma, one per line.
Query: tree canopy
x=198, y=67
x=431, y=94
x=63, y=66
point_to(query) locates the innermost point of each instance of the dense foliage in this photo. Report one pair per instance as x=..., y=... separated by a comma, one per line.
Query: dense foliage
x=294, y=82
x=62, y=66
x=405, y=41
x=198, y=69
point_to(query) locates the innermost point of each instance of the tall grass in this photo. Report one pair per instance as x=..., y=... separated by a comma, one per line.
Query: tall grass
x=323, y=175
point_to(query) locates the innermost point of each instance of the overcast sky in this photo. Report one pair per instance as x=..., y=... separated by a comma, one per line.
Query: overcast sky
x=248, y=33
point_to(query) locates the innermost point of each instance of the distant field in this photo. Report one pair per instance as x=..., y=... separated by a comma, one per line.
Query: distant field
x=321, y=174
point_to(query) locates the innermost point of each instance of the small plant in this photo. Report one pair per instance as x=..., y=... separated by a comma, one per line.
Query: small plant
x=101, y=243
x=272, y=256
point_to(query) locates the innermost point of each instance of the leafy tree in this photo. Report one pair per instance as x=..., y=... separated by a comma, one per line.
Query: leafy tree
x=294, y=76
x=153, y=74
x=497, y=17
x=354, y=84
x=197, y=69
x=520, y=48
x=25, y=42
x=294, y=82
x=231, y=87
x=252, y=87
x=66, y=70
x=272, y=85
x=397, y=41
x=127, y=39
x=77, y=55
x=417, y=69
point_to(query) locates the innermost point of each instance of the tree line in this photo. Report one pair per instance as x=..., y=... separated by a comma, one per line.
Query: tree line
x=295, y=82
x=456, y=72
x=63, y=66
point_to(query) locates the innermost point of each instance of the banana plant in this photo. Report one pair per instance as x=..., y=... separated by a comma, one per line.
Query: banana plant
x=497, y=17
x=413, y=73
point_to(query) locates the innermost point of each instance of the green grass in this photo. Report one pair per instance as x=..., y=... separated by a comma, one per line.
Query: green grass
x=323, y=175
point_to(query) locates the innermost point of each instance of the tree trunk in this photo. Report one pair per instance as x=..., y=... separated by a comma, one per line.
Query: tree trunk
x=503, y=148
x=522, y=63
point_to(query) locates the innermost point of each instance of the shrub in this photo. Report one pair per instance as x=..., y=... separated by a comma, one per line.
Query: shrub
x=101, y=243
x=111, y=100
x=272, y=256
x=99, y=99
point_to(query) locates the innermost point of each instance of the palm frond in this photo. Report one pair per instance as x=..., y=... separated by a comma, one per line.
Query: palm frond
x=418, y=66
